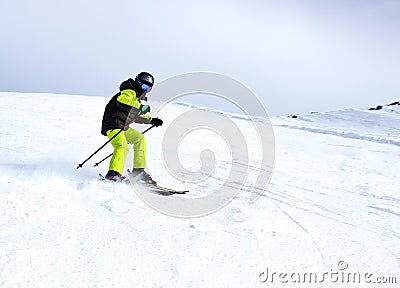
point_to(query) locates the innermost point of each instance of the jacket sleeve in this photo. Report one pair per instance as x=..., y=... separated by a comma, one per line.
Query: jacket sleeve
x=143, y=119
x=130, y=106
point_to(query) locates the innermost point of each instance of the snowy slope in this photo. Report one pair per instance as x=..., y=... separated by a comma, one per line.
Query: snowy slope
x=333, y=197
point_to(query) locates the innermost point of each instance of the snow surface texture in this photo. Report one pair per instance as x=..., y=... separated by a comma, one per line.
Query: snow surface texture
x=333, y=197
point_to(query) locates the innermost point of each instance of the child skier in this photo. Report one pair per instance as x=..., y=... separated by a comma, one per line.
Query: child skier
x=123, y=109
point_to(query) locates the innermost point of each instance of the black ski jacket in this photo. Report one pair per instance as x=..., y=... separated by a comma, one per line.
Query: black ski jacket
x=124, y=107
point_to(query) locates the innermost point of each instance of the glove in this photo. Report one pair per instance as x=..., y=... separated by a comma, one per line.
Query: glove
x=156, y=122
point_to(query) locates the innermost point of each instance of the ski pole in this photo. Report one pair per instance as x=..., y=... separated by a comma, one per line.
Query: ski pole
x=144, y=108
x=152, y=126
x=97, y=164
x=94, y=153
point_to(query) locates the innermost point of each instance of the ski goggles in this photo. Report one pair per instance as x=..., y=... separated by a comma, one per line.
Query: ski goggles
x=146, y=87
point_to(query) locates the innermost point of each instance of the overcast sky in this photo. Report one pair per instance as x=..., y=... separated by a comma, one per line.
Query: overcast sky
x=298, y=56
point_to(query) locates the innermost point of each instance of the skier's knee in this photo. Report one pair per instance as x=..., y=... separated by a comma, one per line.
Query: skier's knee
x=120, y=147
x=126, y=149
x=140, y=138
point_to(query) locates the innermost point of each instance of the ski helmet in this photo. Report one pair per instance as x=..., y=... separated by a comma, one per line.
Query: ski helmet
x=145, y=78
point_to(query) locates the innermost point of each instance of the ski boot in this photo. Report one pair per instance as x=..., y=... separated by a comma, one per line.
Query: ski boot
x=115, y=176
x=142, y=176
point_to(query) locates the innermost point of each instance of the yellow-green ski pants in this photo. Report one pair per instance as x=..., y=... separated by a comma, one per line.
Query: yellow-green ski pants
x=121, y=148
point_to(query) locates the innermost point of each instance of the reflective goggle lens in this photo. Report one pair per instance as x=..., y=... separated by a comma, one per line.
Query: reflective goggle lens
x=146, y=87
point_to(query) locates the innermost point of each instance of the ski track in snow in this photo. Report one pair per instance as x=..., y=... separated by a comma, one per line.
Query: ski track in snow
x=333, y=197
x=349, y=135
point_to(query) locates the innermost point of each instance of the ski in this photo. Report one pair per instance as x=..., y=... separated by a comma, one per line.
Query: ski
x=164, y=191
